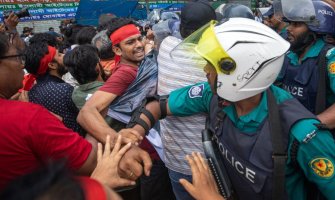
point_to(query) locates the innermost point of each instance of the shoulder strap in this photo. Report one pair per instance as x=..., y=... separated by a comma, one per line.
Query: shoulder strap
x=320, y=103
x=279, y=150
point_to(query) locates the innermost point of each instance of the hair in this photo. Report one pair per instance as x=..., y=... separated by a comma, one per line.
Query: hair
x=44, y=37
x=117, y=23
x=52, y=182
x=4, y=44
x=71, y=32
x=85, y=35
x=105, y=48
x=34, y=53
x=81, y=63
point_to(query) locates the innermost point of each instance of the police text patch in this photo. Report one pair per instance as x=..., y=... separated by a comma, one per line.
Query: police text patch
x=322, y=167
x=196, y=91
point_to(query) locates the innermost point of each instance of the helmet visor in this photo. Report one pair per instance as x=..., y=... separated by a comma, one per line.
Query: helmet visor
x=202, y=47
x=295, y=10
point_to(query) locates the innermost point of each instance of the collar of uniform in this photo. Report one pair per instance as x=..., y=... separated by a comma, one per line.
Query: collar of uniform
x=311, y=53
x=283, y=30
x=250, y=122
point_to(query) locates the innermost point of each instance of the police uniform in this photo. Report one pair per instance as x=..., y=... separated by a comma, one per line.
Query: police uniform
x=251, y=166
x=301, y=80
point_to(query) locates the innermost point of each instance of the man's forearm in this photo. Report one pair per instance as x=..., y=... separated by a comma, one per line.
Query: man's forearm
x=328, y=117
x=92, y=121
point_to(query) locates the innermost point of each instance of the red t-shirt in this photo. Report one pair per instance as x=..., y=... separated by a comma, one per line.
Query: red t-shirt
x=31, y=136
x=122, y=76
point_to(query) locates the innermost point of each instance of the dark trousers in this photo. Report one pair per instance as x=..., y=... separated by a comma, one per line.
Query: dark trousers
x=157, y=186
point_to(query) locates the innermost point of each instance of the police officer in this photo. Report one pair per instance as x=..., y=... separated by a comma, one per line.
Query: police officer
x=242, y=58
x=308, y=54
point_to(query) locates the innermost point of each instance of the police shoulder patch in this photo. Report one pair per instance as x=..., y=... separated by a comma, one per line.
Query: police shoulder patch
x=322, y=167
x=196, y=91
x=332, y=68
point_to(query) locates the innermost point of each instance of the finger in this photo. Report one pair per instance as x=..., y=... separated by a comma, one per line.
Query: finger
x=135, y=133
x=135, y=171
x=124, y=182
x=197, y=162
x=117, y=145
x=194, y=167
x=202, y=161
x=126, y=140
x=123, y=150
x=107, y=146
x=147, y=163
x=188, y=186
x=99, y=153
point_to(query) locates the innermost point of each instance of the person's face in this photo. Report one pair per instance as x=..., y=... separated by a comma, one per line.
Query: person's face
x=58, y=60
x=11, y=73
x=211, y=75
x=131, y=49
x=295, y=32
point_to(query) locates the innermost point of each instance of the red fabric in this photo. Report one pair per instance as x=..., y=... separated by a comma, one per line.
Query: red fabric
x=121, y=34
x=122, y=76
x=30, y=79
x=28, y=82
x=30, y=136
x=93, y=189
x=147, y=146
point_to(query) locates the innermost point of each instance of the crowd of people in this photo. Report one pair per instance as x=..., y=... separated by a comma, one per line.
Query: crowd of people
x=117, y=111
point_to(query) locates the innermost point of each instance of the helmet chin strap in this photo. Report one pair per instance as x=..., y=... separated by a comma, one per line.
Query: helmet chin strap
x=303, y=41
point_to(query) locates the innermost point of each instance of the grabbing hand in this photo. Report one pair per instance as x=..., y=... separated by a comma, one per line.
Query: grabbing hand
x=107, y=167
x=12, y=21
x=134, y=162
x=203, y=186
x=130, y=135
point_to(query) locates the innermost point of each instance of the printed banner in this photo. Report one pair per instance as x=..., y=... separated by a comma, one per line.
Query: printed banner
x=35, y=1
x=49, y=11
x=37, y=5
x=47, y=17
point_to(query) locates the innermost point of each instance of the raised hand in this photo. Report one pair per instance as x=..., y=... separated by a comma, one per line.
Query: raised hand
x=203, y=186
x=107, y=167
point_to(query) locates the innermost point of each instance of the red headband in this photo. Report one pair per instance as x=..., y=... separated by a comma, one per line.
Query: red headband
x=46, y=60
x=92, y=188
x=123, y=33
x=29, y=80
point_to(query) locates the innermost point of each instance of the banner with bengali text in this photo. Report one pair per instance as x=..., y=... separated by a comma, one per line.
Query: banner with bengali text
x=41, y=9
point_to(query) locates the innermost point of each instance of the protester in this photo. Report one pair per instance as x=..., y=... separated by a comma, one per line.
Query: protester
x=45, y=65
x=106, y=54
x=242, y=63
x=85, y=35
x=126, y=82
x=10, y=27
x=31, y=136
x=55, y=181
x=83, y=64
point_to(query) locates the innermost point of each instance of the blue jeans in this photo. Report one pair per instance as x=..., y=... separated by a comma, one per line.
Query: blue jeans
x=178, y=189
